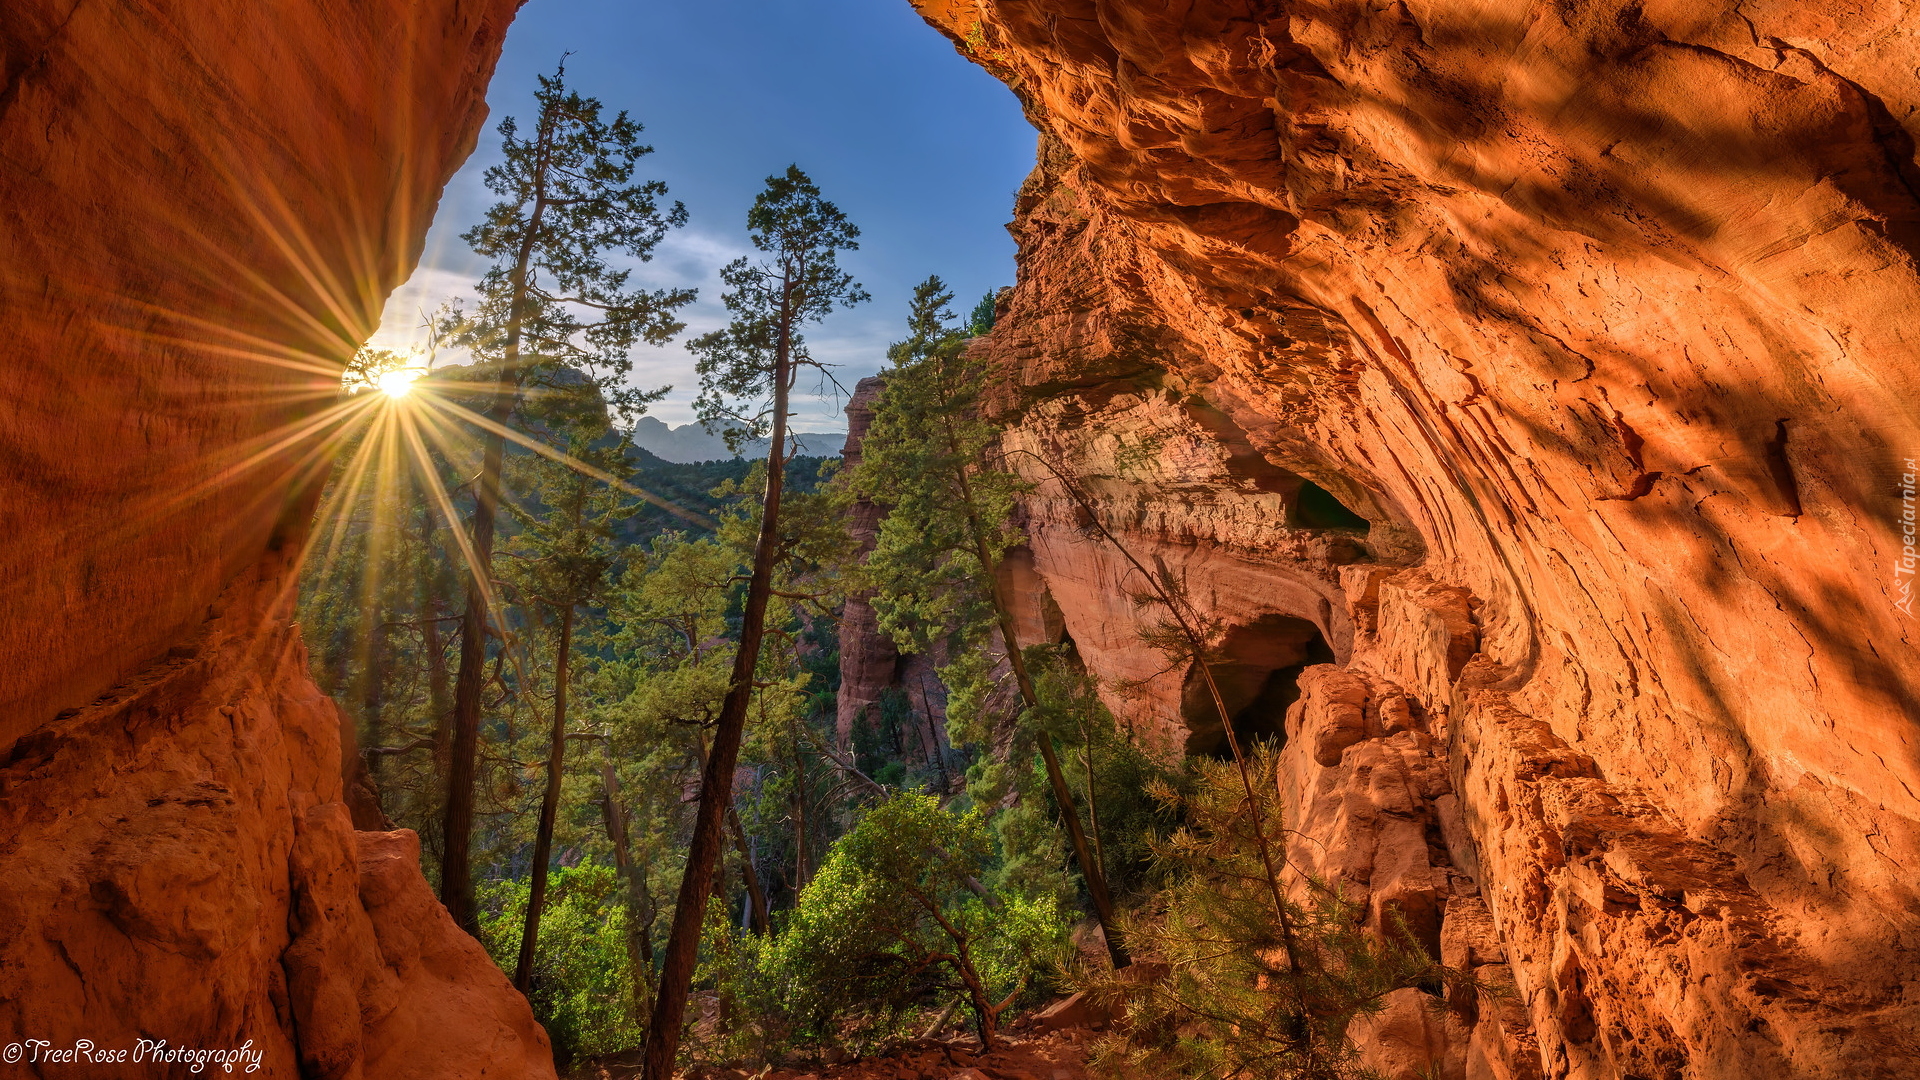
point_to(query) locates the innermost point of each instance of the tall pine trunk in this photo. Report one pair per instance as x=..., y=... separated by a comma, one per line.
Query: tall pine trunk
x=1093, y=798
x=456, y=832
x=756, y=896
x=802, y=869
x=716, y=783
x=373, y=678
x=456, y=871
x=439, y=685
x=936, y=751
x=549, y=806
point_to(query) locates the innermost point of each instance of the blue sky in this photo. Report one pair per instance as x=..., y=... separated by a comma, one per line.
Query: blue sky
x=920, y=148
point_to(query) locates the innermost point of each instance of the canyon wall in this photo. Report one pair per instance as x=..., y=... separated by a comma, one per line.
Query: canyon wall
x=868, y=658
x=1603, y=318
x=203, y=207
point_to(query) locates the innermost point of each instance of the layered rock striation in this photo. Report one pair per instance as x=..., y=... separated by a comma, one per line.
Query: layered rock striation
x=202, y=209
x=1602, y=317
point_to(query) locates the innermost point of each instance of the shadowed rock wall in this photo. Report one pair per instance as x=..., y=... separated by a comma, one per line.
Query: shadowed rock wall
x=1603, y=316
x=202, y=209
x=867, y=656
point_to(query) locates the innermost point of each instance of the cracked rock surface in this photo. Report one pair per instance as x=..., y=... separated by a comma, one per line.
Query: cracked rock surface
x=1602, y=316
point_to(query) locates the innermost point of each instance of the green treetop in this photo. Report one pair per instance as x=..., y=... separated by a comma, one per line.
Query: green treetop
x=926, y=457
x=748, y=366
x=568, y=200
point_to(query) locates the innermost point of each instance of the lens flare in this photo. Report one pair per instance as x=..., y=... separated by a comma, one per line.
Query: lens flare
x=398, y=382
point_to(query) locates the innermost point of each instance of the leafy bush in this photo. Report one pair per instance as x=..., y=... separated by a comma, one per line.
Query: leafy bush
x=895, y=922
x=583, y=976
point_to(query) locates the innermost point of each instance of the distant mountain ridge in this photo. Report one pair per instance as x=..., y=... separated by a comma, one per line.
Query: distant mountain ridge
x=690, y=443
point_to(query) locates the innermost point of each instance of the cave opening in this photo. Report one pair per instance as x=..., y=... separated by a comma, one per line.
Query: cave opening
x=1314, y=507
x=1259, y=680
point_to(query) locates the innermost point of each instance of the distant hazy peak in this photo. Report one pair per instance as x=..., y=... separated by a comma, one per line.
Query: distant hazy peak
x=690, y=442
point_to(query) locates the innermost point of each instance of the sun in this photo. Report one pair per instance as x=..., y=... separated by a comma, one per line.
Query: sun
x=397, y=382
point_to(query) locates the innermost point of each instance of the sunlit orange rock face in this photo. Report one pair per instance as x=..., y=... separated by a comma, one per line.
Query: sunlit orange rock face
x=1604, y=317
x=202, y=209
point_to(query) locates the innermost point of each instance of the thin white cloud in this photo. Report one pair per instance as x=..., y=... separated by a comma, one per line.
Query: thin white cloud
x=403, y=323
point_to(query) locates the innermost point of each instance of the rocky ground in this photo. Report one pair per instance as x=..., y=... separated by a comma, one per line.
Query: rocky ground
x=1035, y=1052
x=1058, y=1055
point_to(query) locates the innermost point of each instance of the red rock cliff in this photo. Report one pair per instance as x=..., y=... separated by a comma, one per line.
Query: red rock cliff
x=867, y=656
x=1603, y=316
x=202, y=209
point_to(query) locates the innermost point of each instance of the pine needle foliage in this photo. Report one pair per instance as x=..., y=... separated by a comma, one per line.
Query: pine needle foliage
x=1241, y=999
x=927, y=457
x=799, y=281
x=565, y=542
x=551, y=300
x=980, y=322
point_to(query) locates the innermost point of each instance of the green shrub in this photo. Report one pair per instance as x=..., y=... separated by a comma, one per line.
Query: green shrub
x=893, y=925
x=583, y=978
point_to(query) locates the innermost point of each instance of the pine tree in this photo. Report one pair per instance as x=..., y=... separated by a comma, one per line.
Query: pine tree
x=1244, y=994
x=980, y=322
x=747, y=371
x=940, y=546
x=550, y=303
x=667, y=657
x=565, y=555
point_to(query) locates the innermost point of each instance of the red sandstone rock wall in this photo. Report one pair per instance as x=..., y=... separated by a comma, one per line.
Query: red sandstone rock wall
x=1604, y=316
x=202, y=209
x=867, y=656
x=181, y=865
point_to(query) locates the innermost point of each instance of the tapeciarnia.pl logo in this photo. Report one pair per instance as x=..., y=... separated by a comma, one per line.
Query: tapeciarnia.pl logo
x=1909, y=561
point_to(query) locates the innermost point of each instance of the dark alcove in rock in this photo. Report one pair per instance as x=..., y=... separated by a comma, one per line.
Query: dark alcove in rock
x=1258, y=678
x=1314, y=507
